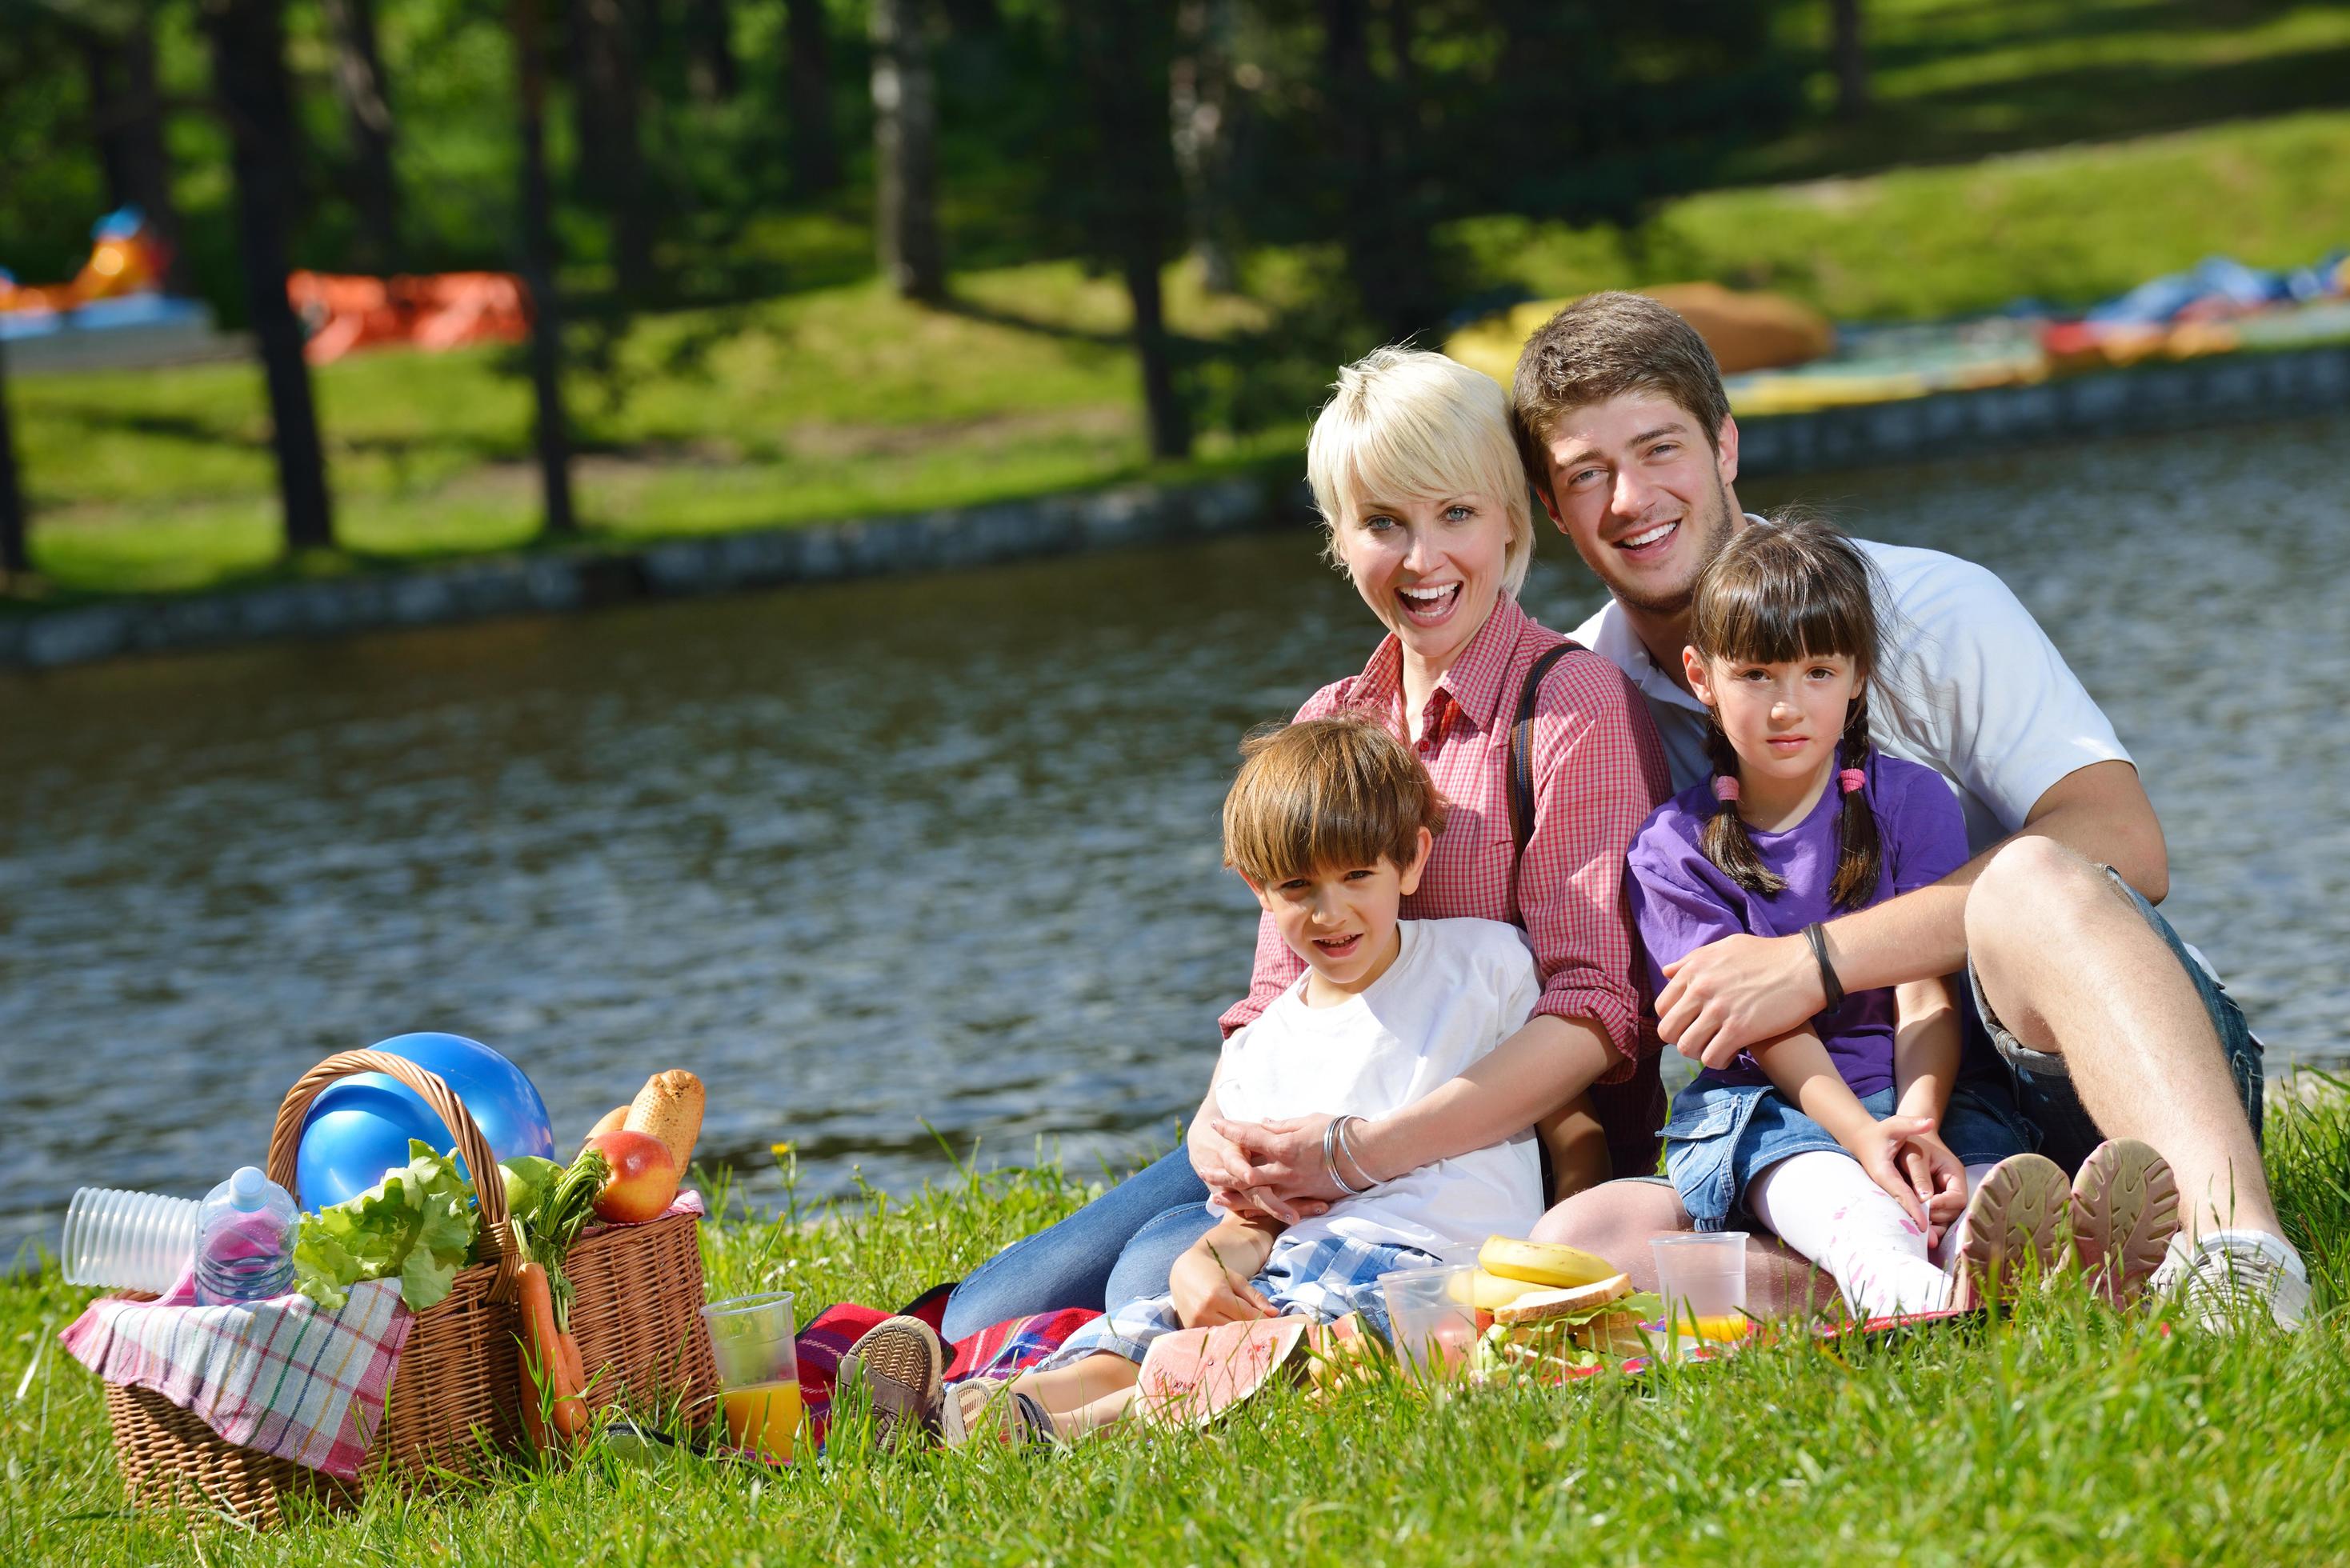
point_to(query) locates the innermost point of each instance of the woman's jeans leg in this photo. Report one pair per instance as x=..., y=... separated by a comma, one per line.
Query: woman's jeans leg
x=1069, y=1265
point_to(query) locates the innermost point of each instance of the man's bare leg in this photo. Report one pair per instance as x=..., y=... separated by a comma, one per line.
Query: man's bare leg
x=2073, y=969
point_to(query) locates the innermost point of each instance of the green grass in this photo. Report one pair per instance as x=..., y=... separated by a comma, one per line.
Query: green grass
x=2067, y=1434
x=842, y=401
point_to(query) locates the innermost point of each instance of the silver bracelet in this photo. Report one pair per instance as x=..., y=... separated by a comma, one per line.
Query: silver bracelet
x=1330, y=1135
x=1347, y=1147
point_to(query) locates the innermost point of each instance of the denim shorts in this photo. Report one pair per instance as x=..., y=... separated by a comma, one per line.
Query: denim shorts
x=1723, y=1136
x=2043, y=1085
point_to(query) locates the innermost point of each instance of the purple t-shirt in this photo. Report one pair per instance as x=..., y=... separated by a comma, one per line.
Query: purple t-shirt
x=1681, y=900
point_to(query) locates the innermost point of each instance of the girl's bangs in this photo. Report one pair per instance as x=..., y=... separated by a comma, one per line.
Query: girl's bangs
x=1776, y=622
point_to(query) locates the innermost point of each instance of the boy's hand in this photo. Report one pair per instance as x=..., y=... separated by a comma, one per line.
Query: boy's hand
x=1879, y=1145
x=1207, y=1293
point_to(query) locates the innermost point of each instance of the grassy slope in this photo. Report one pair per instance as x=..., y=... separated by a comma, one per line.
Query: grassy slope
x=2068, y=1435
x=838, y=400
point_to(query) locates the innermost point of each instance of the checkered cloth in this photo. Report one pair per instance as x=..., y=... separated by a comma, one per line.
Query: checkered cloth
x=1326, y=1279
x=279, y=1376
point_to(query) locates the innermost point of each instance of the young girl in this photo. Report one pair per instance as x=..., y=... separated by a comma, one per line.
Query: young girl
x=1330, y=823
x=1861, y=1138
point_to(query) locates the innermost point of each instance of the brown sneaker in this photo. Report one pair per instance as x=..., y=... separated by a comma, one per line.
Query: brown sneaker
x=2013, y=1225
x=902, y=1363
x=2124, y=1209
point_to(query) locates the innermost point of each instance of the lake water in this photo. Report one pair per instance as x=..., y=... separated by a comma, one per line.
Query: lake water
x=926, y=855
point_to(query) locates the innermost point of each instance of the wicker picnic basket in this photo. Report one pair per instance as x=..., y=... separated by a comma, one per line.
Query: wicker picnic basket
x=456, y=1399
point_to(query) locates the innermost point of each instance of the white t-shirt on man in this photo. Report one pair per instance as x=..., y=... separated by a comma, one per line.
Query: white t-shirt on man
x=1457, y=988
x=1978, y=693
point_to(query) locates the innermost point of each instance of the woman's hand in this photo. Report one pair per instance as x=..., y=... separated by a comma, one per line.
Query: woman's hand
x=1283, y=1171
x=1879, y=1146
x=1215, y=1158
x=1206, y=1293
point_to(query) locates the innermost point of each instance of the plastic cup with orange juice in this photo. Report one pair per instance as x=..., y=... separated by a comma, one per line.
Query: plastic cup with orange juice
x=752, y=1338
x=1703, y=1278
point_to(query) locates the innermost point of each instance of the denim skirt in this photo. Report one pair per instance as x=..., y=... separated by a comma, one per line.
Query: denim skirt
x=1723, y=1136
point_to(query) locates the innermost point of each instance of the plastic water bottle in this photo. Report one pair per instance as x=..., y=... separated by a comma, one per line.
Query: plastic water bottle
x=245, y=1241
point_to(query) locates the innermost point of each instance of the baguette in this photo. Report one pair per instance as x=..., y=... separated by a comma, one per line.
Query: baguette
x=669, y=1107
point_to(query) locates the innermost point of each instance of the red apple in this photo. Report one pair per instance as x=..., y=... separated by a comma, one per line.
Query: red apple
x=643, y=1179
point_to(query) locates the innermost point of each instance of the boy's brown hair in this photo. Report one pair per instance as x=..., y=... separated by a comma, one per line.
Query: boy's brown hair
x=1601, y=347
x=1341, y=791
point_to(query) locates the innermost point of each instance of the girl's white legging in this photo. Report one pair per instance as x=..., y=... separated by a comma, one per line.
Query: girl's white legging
x=1825, y=1205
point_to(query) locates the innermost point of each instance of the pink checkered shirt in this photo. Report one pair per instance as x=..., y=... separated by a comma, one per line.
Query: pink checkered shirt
x=1598, y=771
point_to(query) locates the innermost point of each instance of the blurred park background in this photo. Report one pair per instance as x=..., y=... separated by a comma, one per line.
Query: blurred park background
x=815, y=259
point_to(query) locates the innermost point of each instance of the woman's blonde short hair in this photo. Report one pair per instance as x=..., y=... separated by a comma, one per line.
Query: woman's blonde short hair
x=1404, y=424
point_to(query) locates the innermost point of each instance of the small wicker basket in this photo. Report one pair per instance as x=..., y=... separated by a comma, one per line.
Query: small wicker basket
x=457, y=1398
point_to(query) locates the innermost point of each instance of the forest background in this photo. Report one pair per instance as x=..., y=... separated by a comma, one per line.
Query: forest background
x=819, y=259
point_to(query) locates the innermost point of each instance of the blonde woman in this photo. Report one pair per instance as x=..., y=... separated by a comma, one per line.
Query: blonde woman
x=1424, y=501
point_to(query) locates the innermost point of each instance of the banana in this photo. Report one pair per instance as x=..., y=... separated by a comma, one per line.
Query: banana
x=1542, y=1263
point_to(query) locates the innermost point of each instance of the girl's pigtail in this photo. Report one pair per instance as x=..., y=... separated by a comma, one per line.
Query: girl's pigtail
x=1727, y=843
x=1860, y=855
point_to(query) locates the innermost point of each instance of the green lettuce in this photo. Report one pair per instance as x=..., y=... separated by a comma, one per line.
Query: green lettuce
x=417, y=1225
x=528, y=1179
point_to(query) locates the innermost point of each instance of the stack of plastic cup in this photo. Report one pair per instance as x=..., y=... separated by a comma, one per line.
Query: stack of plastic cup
x=128, y=1241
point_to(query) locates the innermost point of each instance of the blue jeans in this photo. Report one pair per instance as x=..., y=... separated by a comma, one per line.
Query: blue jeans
x=1118, y=1248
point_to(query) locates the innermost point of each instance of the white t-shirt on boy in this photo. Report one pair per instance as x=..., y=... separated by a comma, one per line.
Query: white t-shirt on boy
x=1457, y=988
x=1980, y=694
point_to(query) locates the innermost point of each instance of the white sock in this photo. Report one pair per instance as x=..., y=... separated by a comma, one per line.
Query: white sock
x=1826, y=1208
x=1954, y=1235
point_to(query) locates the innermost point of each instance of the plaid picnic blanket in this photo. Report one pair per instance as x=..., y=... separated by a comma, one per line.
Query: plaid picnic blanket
x=998, y=1352
x=279, y=1376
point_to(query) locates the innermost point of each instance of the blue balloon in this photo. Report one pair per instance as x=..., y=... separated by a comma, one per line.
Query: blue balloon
x=359, y=1128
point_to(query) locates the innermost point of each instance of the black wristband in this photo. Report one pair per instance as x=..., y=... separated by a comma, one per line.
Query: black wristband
x=1830, y=988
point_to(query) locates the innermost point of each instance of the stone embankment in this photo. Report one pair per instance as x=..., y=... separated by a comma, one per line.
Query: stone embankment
x=2175, y=396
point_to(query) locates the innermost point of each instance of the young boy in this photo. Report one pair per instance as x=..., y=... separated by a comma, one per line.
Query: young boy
x=1329, y=822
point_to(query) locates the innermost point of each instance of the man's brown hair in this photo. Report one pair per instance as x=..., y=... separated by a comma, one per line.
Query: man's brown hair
x=1601, y=347
x=1325, y=792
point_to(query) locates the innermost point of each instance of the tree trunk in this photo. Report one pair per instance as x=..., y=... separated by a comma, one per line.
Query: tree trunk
x=710, y=72
x=551, y=431
x=1200, y=100
x=611, y=146
x=1122, y=56
x=127, y=111
x=1389, y=258
x=905, y=151
x=16, y=558
x=367, y=110
x=815, y=151
x=1851, y=60
x=248, y=51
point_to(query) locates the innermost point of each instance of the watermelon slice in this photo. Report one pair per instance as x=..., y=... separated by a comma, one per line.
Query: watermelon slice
x=1194, y=1375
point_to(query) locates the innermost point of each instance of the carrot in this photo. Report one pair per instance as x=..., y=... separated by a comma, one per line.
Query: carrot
x=551, y=1381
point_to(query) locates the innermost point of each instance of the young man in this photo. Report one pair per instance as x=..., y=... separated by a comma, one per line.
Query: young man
x=2106, y=1018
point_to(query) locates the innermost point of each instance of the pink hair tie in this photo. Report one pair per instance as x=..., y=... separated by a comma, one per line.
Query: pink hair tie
x=1851, y=780
x=1725, y=787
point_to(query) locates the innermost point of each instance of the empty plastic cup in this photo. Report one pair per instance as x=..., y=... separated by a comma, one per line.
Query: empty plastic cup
x=1433, y=1314
x=752, y=1339
x=1703, y=1278
x=128, y=1241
